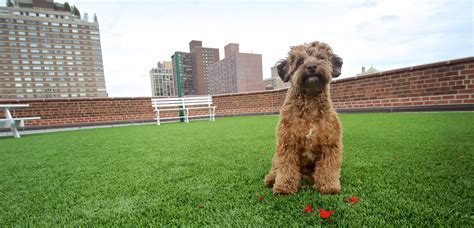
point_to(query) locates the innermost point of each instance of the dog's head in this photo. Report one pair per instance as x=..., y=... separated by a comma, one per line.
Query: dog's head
x=310, y=67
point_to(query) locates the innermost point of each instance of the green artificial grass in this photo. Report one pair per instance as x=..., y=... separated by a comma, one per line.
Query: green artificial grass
x=405, y=168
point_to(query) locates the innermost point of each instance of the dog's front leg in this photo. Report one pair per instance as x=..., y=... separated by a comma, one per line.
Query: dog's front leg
x=327, y=169
x=288, y=172
x=270, y=177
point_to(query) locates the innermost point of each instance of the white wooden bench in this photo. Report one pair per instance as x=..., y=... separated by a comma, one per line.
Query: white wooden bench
x=183, y=105
x=14, y=123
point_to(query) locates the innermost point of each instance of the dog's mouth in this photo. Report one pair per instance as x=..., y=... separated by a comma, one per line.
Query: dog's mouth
x=312, y=78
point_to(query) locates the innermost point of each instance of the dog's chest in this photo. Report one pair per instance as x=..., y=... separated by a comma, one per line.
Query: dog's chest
x=308, y=131
x=311, y=133
x=308, y=156
x=311, y=140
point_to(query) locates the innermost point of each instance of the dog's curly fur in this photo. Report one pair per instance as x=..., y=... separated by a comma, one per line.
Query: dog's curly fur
x=308, y=133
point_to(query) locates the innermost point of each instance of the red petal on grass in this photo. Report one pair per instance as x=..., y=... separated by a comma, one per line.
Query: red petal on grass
x=260, y=198
x=308, y=209
x=354, y=200
x=325, y=214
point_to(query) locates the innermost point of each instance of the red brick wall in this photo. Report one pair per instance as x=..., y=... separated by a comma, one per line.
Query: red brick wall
x=84, y=111
x=249, y=103
x=449, y=84
x=444, y=84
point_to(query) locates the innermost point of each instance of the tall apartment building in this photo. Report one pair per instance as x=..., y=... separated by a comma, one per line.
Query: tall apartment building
x=237, y=72
x=162, y=80
x=202, y=58
x=183, y=73
x=46, y=52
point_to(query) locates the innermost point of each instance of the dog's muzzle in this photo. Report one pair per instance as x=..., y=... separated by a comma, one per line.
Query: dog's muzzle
x=312, y=78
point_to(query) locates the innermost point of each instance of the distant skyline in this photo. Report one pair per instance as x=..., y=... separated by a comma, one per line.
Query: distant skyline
x=135, y=35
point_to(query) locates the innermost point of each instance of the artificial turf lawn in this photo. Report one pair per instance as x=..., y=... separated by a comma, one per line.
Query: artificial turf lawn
x=406, y=168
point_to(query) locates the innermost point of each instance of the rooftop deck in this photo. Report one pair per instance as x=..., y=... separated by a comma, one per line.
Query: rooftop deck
x=405, y=168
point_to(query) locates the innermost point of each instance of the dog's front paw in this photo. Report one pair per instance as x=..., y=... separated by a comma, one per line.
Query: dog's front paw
x=279, y=189
x=269, y=180
x=329, y=188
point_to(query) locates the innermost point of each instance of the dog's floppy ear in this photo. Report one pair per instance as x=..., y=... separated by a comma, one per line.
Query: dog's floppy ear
x=282, y=67
x=336, y=66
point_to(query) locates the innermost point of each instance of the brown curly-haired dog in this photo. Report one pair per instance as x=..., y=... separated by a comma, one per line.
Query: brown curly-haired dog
x=308, y=133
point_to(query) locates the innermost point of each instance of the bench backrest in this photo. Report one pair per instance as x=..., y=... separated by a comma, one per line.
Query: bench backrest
x=159, y=103
x=163, y=103
x=197, y=101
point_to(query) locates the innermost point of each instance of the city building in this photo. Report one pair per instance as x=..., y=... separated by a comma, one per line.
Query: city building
x=46, y=52
x=183, y=73
x=162, y=80
x=46, y=4
x=237, y=72
x=275, y=82
x=202, y=58
x=371, y=70
x=269, y=83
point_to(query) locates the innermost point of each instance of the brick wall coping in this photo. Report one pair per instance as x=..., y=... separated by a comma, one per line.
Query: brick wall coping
x=250, y=93
x=128, y=98
x=404, y=69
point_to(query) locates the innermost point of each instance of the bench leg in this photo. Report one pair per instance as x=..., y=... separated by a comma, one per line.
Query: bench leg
x=187, y=115
x=158, y=117
x=213, y=113
x=13, y=127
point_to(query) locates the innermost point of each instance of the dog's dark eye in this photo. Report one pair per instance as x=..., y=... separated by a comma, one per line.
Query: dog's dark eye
x=299, y=62
x=321, y=57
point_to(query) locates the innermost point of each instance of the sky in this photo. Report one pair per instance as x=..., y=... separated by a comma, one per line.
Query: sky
x=385, y=34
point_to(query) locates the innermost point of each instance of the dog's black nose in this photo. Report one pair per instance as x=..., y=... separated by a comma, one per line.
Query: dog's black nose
x=311, y=67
